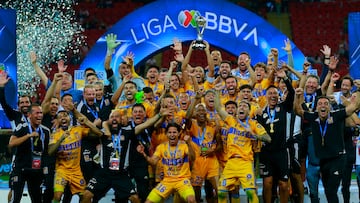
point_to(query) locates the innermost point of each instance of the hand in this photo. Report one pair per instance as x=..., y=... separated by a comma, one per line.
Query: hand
x=165, y=111
x=270, y=59
x=287, y=46
x=179, y=57
x=4, y=79
x=218, y=87
x=173, y=65
x=129, y=58
x=58, y=77
x=280, y=73
x=65, y=135
x=187, y=139
x=33, y=57
x=111, y=42
x=207, y=45
x=274, y=52
x=127, y=78
x=177, y=46
x=34, y=134
x=335, y=77
x=198, y=94
x=82, y=120
x=299, y=91
x=344, y=100
x=326, y=50
x=61, y=66
x=140, y=148
x=333, y=63
x=97, y=122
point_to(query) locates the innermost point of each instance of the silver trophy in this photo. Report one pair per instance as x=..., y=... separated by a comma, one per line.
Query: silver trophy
x=200, y=27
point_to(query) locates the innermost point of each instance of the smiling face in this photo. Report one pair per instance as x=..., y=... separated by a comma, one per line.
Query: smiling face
x=54, y=106
x=231, y=84
x=323, y=108
x=225, y=70
x=311, y=85
x=243, y=111
x=174, y=82
x=242, y=60
x=99, y=91
x=216, y=57
x=259, y=73
x=231, y=109
x=346, y=86
x=36, y=115
x=130, y=91
x=245, y=94
x=89, y=95
x=173, y=135
x=209, y=100
x=200, y=113
x=199, y=74
x=184, y=101
x=272, y=97
x=124, y=70
x=152, y=75
x=63, y=119
x=24, y=104
x=138, y=115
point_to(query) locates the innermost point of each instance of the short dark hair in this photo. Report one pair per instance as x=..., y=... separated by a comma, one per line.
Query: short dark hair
x=64, y=95
x=231, y=102
x=89, y=69
x=148, y=90
x=131, y=82
x=138, y=105
x=226, y=61
x=245, y=86
x=245, y=102
x=173, y=124
x=346, y=77
x=25, y=95
x=152, y=66
x=231, y=76
x=32, y=106
x=271, y=86
x=91, y=74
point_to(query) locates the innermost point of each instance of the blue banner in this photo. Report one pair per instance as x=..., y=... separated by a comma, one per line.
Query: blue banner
x=151, y=28
x=354, y=44
x=8, y=60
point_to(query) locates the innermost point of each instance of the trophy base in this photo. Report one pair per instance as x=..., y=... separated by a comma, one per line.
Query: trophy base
x=199, y=44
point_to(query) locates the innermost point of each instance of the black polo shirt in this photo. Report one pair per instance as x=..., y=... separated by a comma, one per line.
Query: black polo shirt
x=333, y=135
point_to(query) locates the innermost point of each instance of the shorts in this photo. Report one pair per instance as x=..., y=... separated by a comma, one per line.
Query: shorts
x=237, y=172
x=74, y=179
x=204, y=167
x=104, y=180
x=275, y=164
x=165, y=188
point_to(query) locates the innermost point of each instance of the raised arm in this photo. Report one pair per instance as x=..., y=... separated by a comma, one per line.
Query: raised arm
x=50, y=93
x=53, y=148
x=330, y=90
x=299, y=99
x=94, y=131
x=16, y=141
x=223, y=114
x=332, y=66
x=38, y=70
x=151, y=160
x=163, y=112
x=119, y=90
x=209, y=59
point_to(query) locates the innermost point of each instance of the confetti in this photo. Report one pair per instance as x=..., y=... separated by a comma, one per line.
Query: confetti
x=48, y=27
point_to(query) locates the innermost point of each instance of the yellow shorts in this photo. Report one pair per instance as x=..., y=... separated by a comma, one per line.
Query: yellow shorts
x=76, y=181
x=204, y=167
x=165, y=188
x=237, y=172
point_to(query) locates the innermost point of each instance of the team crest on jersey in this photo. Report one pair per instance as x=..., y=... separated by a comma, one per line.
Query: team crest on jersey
x=107, y=102
x=248, y=176
x=265, y=115
x=122, y=137
x=165, y=153
x=277, y=109
x=77, y=135
x=330, y=120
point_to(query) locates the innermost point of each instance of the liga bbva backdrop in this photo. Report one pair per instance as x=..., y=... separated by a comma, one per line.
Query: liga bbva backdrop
x=153, y=27
x=354, y=44
x=8, y=60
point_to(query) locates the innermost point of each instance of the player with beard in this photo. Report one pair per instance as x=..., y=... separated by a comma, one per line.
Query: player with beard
x=115, y=155
x=244, y=69
x=66, y=144
x=328, y=136
x=216, y=58
x=149, y=96
x=31, y=141
x=205, y=136
x=152, y=80
x=231, y=94
x=130, y=89
x=176, y=156
x=15, y=117
x=239, y=168
x=274, y=160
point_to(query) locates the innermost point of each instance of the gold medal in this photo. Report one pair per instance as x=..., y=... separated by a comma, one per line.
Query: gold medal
x=271, y=127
